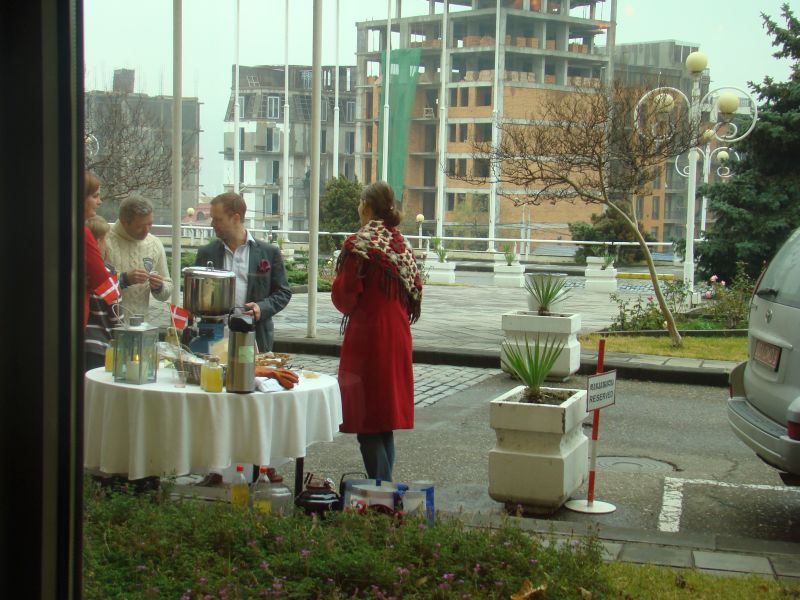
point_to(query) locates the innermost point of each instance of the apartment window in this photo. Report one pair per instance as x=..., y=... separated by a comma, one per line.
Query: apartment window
x=349, y=142
x=464, y=97
x=241, y=171
x=451, y=201
x=451, y=133
x=241, y=138
x=657, y=180
x=323, y=141
x=453, y=97
x=276, y=171
x=483, y=132
x=655, y=208
x=368, y=101
x=481, y=167
x=429, y=205
x=483, y=96
x=305, y=78
x=273, y=107
x=640, y=207
x=273, y=140
x=252, y=80
x=462, y=132
x=323, y=113
x=242, y=105
x=451, y=166
x=462, y=166
x=429, y=175
x=480, y=203
x=350, y=111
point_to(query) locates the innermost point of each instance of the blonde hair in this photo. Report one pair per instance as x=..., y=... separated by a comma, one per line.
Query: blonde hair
x=98, y=226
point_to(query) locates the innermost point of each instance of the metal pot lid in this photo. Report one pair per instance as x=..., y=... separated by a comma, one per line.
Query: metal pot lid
x=208, y=272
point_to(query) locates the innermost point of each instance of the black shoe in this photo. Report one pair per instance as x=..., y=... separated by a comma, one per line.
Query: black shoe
x=211, y=480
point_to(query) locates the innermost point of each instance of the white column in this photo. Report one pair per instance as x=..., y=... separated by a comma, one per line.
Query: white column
x=285, y=200
x=443, y=79
x=706, y=173
x=336, y=101
x=688, y=265
x=495, y=130
x=386, y=78
x=313, y=216
x=177, y=146
x=236, y=182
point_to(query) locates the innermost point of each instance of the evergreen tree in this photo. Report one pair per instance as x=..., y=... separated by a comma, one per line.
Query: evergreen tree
x=338, y=210
x=759, y=206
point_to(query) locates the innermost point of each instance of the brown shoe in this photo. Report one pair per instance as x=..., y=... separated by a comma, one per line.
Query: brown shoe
x=273, y=476
x=211, y=480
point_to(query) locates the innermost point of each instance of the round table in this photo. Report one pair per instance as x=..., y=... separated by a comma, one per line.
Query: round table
x=158, y=429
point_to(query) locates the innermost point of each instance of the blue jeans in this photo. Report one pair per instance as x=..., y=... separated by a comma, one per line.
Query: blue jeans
x=377, y=450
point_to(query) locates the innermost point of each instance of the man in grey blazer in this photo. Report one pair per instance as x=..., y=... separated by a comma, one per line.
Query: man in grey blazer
x=261, y=285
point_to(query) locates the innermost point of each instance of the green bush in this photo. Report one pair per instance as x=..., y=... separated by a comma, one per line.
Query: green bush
x=152, y=546
x=644, y=315
x=730, y=304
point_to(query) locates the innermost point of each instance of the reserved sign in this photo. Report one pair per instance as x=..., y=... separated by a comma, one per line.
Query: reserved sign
x=601, y=390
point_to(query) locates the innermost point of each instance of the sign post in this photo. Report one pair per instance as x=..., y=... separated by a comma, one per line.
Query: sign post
x=600, y=393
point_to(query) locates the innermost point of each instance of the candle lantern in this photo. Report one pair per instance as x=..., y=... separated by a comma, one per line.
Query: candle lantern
x=136, y=352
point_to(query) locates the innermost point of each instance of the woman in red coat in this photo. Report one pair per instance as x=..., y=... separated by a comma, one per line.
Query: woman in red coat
x=378, y=288
x=95, y=268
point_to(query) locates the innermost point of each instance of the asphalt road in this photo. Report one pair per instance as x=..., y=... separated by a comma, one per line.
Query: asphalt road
x=661, y=445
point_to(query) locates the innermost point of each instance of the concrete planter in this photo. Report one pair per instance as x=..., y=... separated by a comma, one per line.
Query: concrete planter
x=540, y=456
x=509, y=276
x=599, y=279
x=562, y=327
x=441, y=272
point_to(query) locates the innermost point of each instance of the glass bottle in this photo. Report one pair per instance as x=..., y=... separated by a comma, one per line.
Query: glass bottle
x=282, y=500
x=240, y=492
x=211, y=374
x=172, y=337
x=110, y=356
x=262, y=492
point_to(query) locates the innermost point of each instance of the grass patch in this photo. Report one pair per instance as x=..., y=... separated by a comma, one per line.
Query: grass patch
x=710, y=348
x=658, y=583
x=152, y=546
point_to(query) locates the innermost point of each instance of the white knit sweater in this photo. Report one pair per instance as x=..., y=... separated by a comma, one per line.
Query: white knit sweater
x=126, y=253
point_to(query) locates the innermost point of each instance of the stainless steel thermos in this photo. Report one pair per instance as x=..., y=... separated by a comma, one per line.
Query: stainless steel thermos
x=241, y=374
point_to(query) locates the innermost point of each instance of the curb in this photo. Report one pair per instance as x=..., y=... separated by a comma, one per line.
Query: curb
x=626, y=368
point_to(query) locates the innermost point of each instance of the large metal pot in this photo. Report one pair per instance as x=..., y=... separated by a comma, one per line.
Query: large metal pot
x=207, y=291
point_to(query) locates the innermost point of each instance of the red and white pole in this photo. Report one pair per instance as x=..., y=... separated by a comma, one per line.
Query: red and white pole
x=601, y=354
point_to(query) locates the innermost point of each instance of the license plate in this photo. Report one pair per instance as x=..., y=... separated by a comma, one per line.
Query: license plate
x=767, y=354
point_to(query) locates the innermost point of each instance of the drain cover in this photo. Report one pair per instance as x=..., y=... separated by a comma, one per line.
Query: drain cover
x=633, y=464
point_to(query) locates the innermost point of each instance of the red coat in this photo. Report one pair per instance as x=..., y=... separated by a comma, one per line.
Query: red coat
x=95, y=270
x=376, y=374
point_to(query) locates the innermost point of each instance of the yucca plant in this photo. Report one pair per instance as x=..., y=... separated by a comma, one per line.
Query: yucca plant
x=532, y=364
x=546, y=291
x=509, y=254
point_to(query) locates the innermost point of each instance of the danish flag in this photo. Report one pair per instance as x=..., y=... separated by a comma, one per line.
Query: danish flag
x=108, y=290
x=180, y=316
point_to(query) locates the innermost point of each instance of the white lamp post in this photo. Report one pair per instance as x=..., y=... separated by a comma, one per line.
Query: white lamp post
x=420, y=220
x=721, y=104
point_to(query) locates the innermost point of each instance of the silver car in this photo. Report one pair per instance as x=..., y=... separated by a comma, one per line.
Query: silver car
x=764, y=407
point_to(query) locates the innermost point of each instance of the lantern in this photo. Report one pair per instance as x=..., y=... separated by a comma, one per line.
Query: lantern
x=136, y=353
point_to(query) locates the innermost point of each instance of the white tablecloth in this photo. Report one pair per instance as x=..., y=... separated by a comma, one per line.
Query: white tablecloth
x=158, y=429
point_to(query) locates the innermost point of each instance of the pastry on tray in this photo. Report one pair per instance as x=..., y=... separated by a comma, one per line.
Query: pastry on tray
x=272, y=359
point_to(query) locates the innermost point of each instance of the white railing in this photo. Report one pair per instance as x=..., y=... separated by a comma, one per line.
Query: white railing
x=522, y=247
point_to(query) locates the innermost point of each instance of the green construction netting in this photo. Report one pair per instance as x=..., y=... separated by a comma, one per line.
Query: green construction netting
x=402, y=89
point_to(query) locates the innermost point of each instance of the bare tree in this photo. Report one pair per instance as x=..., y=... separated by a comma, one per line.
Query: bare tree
x=133, y=150
x=583, y=145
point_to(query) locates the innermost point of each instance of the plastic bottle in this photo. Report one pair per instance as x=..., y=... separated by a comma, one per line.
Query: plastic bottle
x=262, y=492
x=282, y=500
x=240, y=492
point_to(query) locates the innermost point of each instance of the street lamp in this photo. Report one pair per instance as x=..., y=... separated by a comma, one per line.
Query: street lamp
x=420, y=220
x=721, y=104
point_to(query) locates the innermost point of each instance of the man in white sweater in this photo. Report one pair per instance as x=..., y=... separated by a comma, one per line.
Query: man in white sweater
x=138, y=256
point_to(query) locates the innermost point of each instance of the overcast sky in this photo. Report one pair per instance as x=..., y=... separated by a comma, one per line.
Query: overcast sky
x=138, y=35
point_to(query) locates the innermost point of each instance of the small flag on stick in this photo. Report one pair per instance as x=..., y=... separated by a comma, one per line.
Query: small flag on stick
x=108, y=290
x=180, y=316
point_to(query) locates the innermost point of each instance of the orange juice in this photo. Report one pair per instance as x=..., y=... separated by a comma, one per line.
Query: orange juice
x=109, y=358
x=214, y=379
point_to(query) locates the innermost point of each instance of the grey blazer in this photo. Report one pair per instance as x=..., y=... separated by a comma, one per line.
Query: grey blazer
x=270, y=289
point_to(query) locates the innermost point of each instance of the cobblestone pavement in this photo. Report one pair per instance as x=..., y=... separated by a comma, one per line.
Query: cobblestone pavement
x=431, y=382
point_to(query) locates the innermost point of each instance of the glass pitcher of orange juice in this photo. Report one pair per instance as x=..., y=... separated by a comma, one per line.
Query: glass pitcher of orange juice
x=211, y=375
